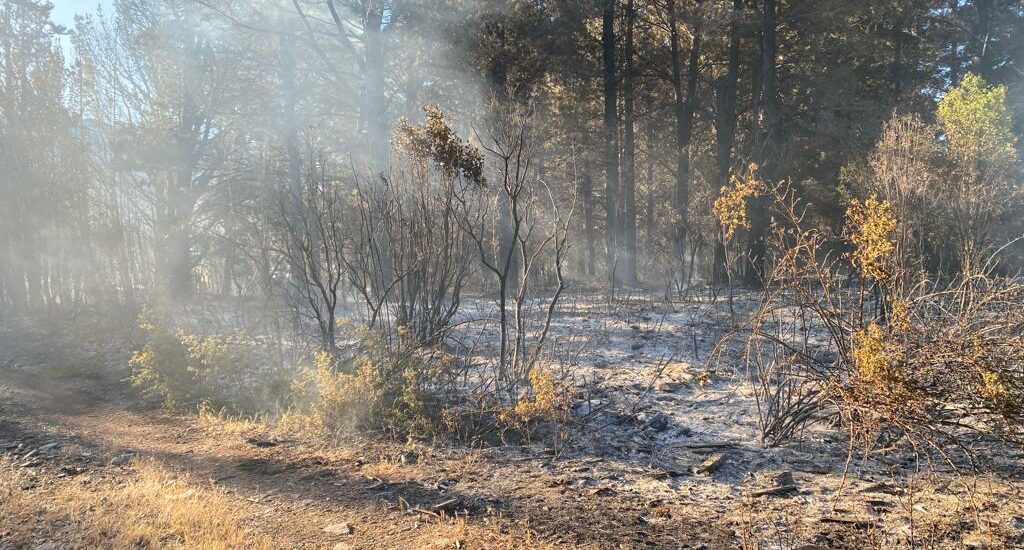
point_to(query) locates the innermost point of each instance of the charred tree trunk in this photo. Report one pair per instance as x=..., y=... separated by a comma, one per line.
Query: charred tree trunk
x=291, y=138
x=725, y=129
x=981, y=52
x=649, y=210
x=954, y=48
x=769, y=143
x=611, y=143
x=896, y=70
x=629, y=258
x=684, y=104
x=587, y=196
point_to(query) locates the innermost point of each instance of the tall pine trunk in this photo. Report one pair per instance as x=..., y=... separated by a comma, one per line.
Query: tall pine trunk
x=628, y=222
x=611, y=143
x=768, y=143
x=685, y=92
x=725, y=129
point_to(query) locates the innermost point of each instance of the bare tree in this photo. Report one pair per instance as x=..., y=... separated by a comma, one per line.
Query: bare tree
x=314, y=244
x=412, y=215
x=537, y=236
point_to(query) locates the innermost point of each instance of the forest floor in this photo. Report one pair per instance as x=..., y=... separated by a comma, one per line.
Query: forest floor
x=663, y=454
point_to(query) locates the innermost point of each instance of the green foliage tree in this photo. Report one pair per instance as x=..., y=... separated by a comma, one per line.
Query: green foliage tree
x=976, y=123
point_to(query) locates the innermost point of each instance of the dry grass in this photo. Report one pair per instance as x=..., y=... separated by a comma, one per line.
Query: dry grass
x=151, y=508
x=221, y=422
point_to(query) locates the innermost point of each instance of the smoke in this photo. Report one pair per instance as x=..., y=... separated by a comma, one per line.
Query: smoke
x=146, y=168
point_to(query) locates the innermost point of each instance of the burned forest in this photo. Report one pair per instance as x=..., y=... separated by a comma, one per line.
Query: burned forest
x=503, y=274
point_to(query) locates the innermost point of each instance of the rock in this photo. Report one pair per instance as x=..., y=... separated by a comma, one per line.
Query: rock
x=447, y=506
x=658, y=423
x=408, y=457
x=340, y=529
x=711, y=464
x=53, y=546
x=668, y=386
x=781, y=484
x=883, y=488
x=667, y=473
x=122, y=459
x=71, y=471
x=783, y=479
x=343, y=546
x=774, y=491
x=445, y=485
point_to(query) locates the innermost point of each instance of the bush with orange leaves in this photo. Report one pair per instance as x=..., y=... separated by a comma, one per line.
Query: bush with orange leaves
x=931, y=364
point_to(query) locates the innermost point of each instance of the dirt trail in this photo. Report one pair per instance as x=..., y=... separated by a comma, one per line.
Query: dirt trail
x=389, y=494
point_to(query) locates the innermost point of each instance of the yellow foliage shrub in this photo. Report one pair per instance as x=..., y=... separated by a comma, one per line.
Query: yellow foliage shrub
x=871, y=225
x=546, y=401
x=994, y=385
x=380, y=388
x=731, y=206
x=184, y=369
x=899, y=316
x=875, y=360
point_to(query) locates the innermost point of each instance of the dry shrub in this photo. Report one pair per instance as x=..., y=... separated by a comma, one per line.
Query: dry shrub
x=378, y=387
x=871, y=225
x=152, y=508
x=187, y=370
x=731, y=206
x=933, y=365
x=546, y=400
x=408, y=391
x=407, y=256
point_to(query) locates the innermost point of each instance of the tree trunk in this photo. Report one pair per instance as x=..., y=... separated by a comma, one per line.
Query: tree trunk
x=684, y=105
x=649, y=211
x=628, y=222
x=287, y=70
x=725, y=129
x=587, y=192
x=896, y=70
x=769, y=147
x=611, y=142
x=954, y=47
x=374, y=102
x=981, y=51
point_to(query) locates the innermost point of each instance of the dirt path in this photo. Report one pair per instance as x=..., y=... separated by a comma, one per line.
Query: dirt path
x=82, y=431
